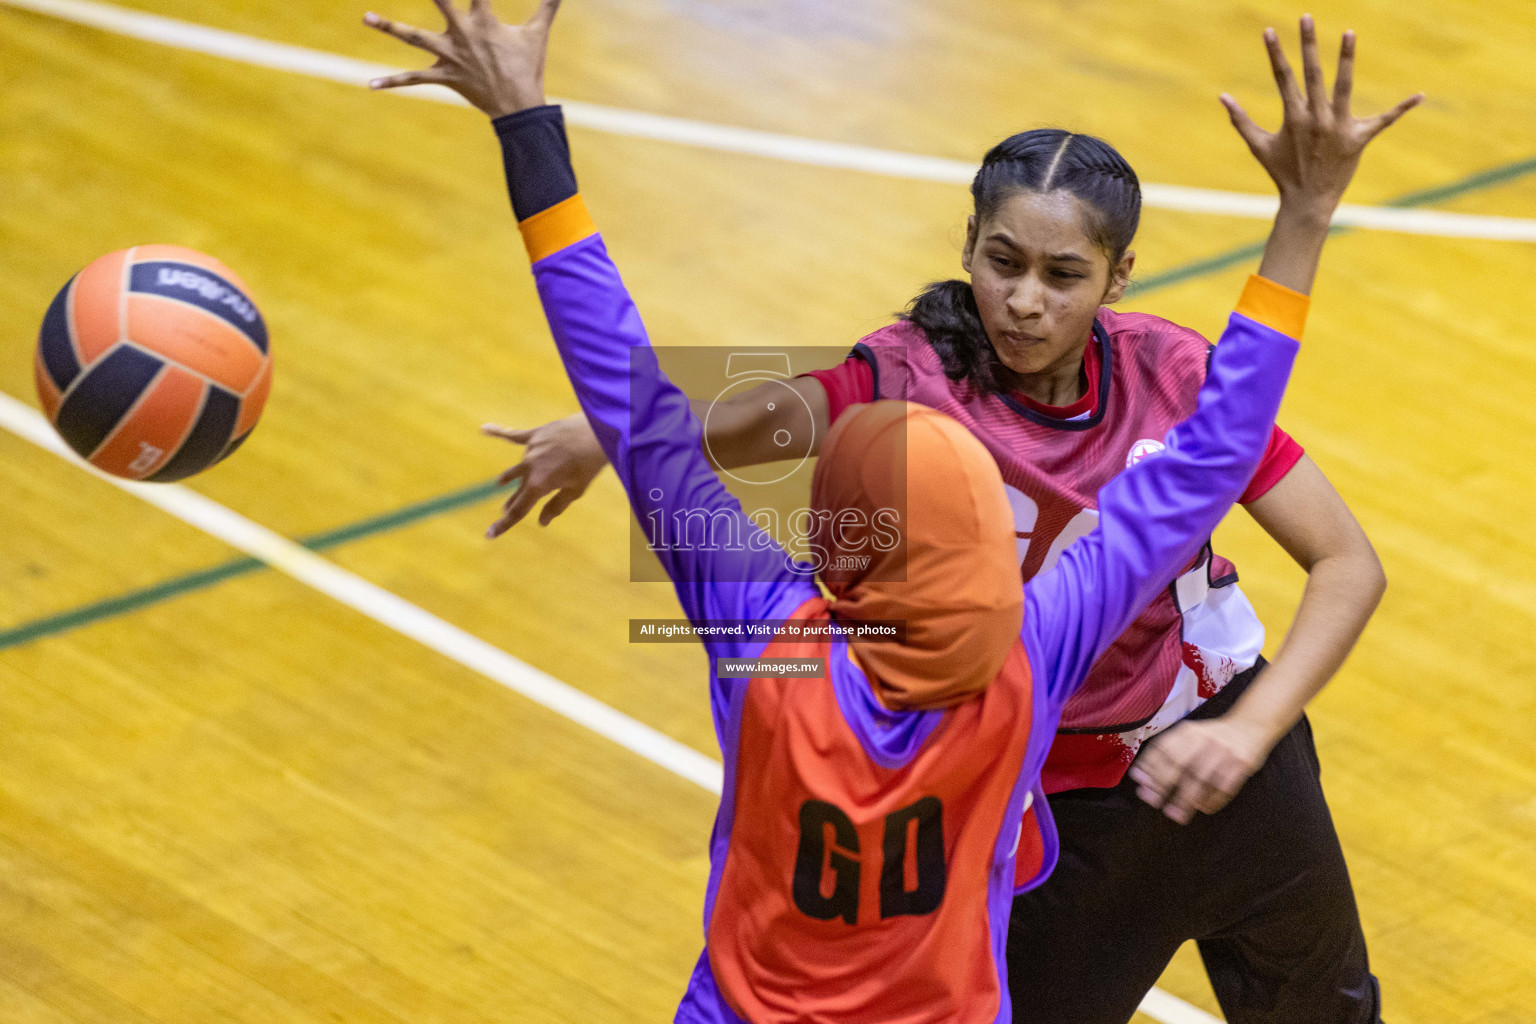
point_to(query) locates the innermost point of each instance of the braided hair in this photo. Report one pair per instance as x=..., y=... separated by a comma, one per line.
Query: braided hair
x=1041, y=160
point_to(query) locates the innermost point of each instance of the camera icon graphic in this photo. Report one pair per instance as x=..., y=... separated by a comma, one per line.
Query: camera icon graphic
x=763, y=375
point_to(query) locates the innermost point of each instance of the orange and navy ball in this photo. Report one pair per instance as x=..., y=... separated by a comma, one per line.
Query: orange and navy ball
x=153, y=362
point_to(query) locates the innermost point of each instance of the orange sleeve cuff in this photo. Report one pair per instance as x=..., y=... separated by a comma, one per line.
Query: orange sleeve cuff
x=1275, y=306
x=559, y=227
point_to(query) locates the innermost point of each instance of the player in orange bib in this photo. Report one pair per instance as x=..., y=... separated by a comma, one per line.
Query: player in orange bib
x=877, y=809
x=1181, y=715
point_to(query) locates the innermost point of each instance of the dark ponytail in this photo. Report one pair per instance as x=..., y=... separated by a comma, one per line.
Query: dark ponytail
x=1035, y=161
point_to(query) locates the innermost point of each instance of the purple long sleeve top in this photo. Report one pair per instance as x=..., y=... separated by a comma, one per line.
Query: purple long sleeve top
x=1152, y=518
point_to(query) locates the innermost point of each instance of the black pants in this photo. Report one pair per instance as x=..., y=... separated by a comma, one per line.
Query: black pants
x=1261, y=886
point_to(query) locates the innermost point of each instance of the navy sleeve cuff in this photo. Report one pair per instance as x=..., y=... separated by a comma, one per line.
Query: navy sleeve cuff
x=537, y=159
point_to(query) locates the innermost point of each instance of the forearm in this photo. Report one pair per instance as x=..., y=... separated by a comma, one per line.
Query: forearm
x=722, y=447
x=588, y=310
x=740, y=432
x=727, y=445
x=776, y=421
x=1200, y=765
x=1342, y=592
x=626, y=400
x=640, y=418
x=1295, y=245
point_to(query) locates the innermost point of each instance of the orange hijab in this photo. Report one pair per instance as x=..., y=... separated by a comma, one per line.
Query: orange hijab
x=912, y=524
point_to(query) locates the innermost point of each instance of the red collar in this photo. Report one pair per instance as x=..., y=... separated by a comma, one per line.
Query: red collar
x=1093, y=362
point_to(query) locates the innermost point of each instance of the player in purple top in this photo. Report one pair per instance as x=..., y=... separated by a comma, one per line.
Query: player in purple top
x=1182, y=709
x=885, y=738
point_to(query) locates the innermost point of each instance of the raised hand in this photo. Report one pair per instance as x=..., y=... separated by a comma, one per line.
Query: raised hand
x=1314, y=154
x=562, y=457
x=499, y=68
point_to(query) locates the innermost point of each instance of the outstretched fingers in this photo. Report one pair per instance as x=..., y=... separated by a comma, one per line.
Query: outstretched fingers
x=518, y=504
x=517, y=435
x=1381, y=122
x=522, y=437
x=544, y=16
x=408, y=34
x=1285, y=79
x=434, y=75
x=559, y=503
x=516, y=509
x=451, y=14
x=1252, y=134
x=516, y=472
x=1312, y=67
x=1344, y=82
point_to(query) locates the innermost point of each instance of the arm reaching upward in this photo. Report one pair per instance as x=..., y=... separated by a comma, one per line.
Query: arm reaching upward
x=1154, y=516
x=1313, y=155
x=722, y=564
x=644, y=424
x=1157, y=514
x=1200, y=765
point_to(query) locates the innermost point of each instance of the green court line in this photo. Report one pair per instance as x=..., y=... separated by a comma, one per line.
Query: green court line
x=1241, y=254
x=175, y=587
x=136, y=599
x=1471, y=183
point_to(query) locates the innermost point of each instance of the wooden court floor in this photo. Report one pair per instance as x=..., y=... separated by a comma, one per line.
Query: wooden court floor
x=233, y=799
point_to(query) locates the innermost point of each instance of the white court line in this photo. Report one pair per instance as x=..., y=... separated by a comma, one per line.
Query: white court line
x=1170, y=1009
x=389, y=609
x=793, y=149
x=386, y=608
